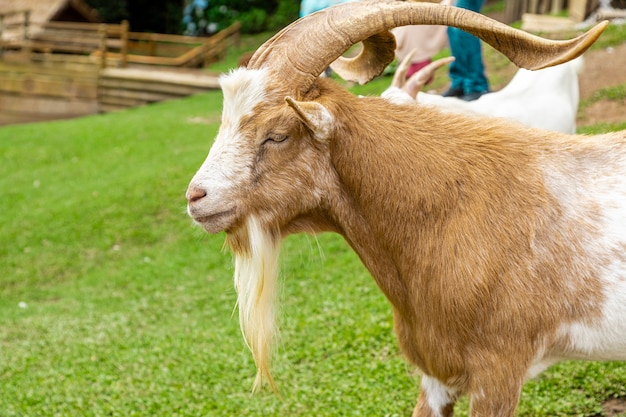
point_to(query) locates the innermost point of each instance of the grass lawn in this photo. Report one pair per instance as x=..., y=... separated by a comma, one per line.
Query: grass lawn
x=113, y=304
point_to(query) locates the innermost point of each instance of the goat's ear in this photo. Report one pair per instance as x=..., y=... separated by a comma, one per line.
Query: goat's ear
x=315, y=116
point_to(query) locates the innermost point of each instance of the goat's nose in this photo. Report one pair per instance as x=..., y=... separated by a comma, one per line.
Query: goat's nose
x=194, y=194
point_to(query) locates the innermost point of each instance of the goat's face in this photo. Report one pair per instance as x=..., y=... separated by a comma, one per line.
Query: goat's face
x=265, y=161
x=266, y=174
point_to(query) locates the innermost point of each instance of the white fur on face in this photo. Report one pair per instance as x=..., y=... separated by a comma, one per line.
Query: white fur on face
x=224, y=173
x=256, y=282
x=228, y=164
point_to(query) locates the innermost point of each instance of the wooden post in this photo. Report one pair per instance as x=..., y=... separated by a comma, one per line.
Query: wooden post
x=511, y=11
x=26, y=24
x=152, y=46
x=1, y=41
x=26, y=46
x=557, y=6
x=580, y=9
x=237, y=36
x=103, y=45
x=124, y=46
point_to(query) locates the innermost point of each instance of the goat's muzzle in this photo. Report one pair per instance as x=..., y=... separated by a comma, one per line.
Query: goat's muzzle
x=194, y=194
x=212, y=219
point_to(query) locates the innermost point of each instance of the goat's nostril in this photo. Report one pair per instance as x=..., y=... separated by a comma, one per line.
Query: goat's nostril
x=195, y=194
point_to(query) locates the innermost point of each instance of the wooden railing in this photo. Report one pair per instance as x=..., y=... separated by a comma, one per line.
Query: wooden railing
x=114, y=45
x=179, y=51
x=61, y=37
x=80, y=38
x=12, y=33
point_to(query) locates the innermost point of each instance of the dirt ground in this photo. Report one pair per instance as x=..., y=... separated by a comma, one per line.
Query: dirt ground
x=615, y=407
x=603, y=68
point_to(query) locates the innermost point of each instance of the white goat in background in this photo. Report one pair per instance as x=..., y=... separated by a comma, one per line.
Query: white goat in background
x=546, y=98
x=501, y=248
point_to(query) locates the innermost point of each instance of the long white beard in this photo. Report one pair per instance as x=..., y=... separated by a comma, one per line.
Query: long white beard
x=256, y=281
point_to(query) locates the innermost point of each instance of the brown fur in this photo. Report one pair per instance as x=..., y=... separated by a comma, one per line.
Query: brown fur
x=479, y=260
x=457, y=229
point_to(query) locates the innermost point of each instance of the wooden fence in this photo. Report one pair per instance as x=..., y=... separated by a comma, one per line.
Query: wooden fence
x=59, y=86
x=119, y=88
x=61, y=70
x=180, y=51
x=11, y=33
x=113, y=44
x=56, y=88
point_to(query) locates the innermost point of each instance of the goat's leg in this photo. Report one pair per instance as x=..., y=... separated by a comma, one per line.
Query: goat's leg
x=498, y=399
x=435, y=400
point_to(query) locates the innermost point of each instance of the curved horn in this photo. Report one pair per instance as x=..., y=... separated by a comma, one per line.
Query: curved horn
x=378, y=51
x=302, y=50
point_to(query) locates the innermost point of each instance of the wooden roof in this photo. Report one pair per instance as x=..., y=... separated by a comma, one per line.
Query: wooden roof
x=42, y=11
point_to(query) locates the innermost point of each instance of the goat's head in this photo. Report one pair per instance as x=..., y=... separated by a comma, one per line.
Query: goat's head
x=269, y=169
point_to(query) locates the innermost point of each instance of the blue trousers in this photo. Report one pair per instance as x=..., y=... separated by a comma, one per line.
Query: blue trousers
x=467, y=71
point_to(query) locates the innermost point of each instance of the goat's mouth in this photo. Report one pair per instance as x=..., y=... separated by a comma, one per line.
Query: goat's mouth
x=215, y=222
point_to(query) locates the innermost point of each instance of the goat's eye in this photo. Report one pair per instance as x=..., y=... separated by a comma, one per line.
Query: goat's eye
x=275, y=139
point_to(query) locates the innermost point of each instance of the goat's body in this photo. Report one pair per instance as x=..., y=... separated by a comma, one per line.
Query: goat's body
x=518, y=236
x=546, y=99
x=501, y=254
x=500, y=247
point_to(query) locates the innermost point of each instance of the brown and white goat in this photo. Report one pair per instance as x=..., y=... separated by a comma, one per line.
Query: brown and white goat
x=501, y=248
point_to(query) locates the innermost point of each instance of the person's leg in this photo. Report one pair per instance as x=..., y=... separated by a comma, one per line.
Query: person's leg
x=473, y=5
x=467, y=71
x=456, y=70
x=473, y=76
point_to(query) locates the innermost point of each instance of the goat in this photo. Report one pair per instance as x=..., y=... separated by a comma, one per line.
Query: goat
x=499, y=247
x=546, y=99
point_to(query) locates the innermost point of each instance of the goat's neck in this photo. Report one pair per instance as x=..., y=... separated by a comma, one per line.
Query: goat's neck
x=353, y=224
x=387, y=198
x=402, y=195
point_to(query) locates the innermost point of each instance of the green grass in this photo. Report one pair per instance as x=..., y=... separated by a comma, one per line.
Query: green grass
x=129, y=307
x=613, y=35
x=613, y=93
x=247, y=43
x=113, y=304
x=601, y=128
